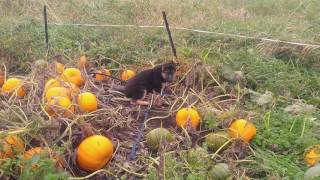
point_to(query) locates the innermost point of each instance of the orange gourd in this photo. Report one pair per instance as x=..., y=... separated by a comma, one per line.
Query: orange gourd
x=102, y=74
x=87, y=102
x=57, y=91
x=72, y=75
x=312, y=156
x=9, y=145
x=186, y=117
x=94, y=152
x=127, y=74
x=60, y=105
x=242, y=129
x=14, y=86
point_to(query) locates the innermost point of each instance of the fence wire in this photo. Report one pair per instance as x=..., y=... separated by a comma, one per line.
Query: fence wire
x=313, y=46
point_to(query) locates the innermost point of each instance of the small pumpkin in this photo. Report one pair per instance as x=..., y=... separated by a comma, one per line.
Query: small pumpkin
x=186, y=117
x=312, y=155
x=242, y=129
x=94, y=152
x=59, y=67
x=83, y=62
x=102, y=74
x=14, y=86
x=51, y=83
x=156, y=136
x=127, y=74
x=87, y=102
x=57, y=91
x=9, y=145
x=73, y=75
x=60, y=105
x=215, y=140
x=220, y=171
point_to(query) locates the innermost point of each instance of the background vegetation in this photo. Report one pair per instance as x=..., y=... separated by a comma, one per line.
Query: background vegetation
x=289, y=72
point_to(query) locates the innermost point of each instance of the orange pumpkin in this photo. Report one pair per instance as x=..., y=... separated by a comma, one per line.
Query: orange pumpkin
x=60, y=105
x=186, y=117
x=14, y=86
x=59, y=67
x=73, y=75
x=127, y=74
x=51, y=83
x=57, y=91
x=94, y=152
x=312, y=156
x=102, y=74
x=242, y=129
x=87, y=102
x=9, y=145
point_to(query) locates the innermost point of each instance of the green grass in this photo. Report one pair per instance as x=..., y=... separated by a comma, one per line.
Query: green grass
x=287, y=71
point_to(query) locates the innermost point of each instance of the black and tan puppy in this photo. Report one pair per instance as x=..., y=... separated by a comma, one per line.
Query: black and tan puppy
x=149, y=81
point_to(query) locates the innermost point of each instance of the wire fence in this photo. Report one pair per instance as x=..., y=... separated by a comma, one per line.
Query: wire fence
x=308, y=45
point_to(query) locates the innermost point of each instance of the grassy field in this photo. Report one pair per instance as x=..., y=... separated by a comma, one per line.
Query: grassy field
x=290, y=72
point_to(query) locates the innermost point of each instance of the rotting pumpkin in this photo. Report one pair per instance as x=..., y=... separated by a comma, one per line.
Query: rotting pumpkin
x=38, y=150
x=9, y=145
x=94, y=153
x=312, y=155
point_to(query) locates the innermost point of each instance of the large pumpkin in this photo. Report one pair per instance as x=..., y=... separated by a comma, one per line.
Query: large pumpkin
x=60, y=105
x=9, y=145
x=242, y=129
x=87, y=102
x=186, y=117
x=127, y=74
x=14, y=86
x=312, y=156
x=57, y=91
x=94, y=152
x=73, y=75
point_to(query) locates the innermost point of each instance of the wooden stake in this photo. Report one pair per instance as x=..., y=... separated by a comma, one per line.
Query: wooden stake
x=169, y=34
x=46, y=26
